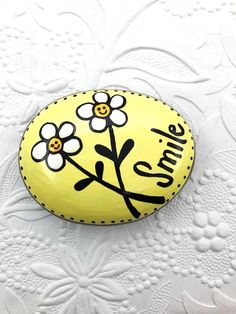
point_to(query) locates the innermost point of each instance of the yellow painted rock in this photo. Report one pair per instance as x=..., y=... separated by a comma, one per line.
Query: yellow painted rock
x=106, y=157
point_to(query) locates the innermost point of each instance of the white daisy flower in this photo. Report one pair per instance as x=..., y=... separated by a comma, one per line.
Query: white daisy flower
x=55, y=144
x=103, y=112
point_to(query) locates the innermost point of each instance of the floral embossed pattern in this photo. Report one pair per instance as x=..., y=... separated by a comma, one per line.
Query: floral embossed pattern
x=179, y=260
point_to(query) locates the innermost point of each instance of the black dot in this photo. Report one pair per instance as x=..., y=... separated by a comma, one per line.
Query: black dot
x=55, y=102
x=43, y=204
x=155, y=99
x=33, y=120
x=179, y=185
x=171, y=109
x=132, y=93
x=24, y=177
x=188, y=167
x=129, y=219
x=191, y=158
x=74, y=95
x=167, y=200
x=81, y=220
x=27, y=129
x=84, y=93
x=185, y=122
x=192, y=147
x=124, y=91
x=65, y=98
x=20, y=148
x=62, y=216
x=191, y=138
x=29, y=187
x=20, y=157
x=46, y=108
x=145, y=214
x=102, y=222
x=71, y=218
x=113, y=221
x=148, y=96
x=160, y=141
x=23, y=138
x=189, y=130
x=155, y=208
x=140, y=94
x=21, y=168
x=116, y=90
x=38, y=114
x=185, y=177
x=52, y=210
x=121, y=220
x=178, y=114
x=93, y=222
x=173, y=193
x=35, y=196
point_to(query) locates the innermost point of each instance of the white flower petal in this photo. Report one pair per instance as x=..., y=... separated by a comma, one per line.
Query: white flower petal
x=72, y=146
x=85, y=111
x=100, y=97
x=39, y=151
x=117, y=101
x=66, y=129
x=118, y=117
x=98, y=124
x=55, y=162
x=48, y=130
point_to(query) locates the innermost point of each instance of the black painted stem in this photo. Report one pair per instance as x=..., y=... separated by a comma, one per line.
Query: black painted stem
x=131, y=195
x=128, y=203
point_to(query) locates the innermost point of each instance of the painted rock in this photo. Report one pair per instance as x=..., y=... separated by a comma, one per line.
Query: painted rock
x=106, y=157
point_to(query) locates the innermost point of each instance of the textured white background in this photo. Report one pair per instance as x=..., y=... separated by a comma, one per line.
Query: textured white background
x=181, y=260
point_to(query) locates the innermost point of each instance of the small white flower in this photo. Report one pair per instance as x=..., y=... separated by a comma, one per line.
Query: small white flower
x=55, y=144
x=105, y=111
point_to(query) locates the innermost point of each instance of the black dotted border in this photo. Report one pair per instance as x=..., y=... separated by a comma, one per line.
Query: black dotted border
x=102, y=221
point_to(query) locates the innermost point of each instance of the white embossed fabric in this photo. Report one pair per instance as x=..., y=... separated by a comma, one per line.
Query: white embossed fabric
x=180, y=260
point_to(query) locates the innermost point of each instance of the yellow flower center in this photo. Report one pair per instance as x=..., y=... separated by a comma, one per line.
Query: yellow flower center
x=102, y=110
x=55, y=145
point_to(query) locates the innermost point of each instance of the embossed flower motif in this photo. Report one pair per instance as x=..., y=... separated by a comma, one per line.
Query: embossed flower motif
x=209, y=232
x=55, y=144
x=82, y=281
x=103, y=112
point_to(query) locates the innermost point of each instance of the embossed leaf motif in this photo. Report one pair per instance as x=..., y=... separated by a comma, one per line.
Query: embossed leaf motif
x=228, y=113
x=160, y=300
x=159, y=62
x=229, y=42
x=20, y=83
x=21, y=205
x=222, y=304
x=10, y=303
x=17, y=202
x=27, y=86
x=227, y=159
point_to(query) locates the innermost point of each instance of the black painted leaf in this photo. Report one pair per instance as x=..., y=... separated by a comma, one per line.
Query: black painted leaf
x=99, y=169
x=82, y=184
x=104, y=151
x=126, y=148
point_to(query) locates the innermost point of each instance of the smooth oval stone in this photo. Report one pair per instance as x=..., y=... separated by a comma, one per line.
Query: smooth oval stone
x=106, y=157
